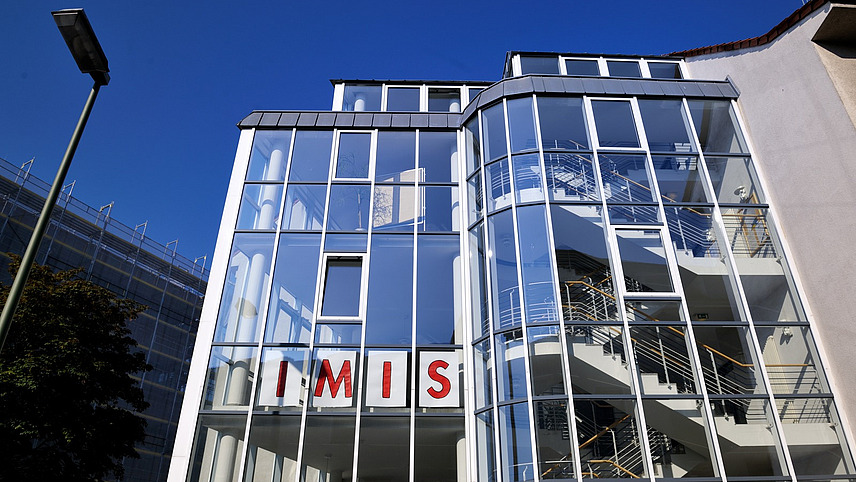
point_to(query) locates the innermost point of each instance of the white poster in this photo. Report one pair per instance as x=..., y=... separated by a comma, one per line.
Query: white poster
x=438, y=379
x=386, y=382
x=281, y=378
x=334, y=385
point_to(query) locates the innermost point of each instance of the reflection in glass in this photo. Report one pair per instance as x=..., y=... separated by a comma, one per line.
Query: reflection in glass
x=609, y=434
x=545, y=361
x=384, y=448
x=536, y=265
x=493, y=123
x=435, y=448
x=472, y=144
x=582, y=67
x=478, y=289
x=438, y=287
x=394, y=208
x=342, y=286
x=353, y=158
x=563, y=124
x=485, y=458
x=247, y=280
x=311, y=158
x=665, y=124
x=515, y=444
x=734, y=180
x=678, y=438
x=615, y=125
x=474, y=196
x=570, y=177
x=444, y=100
x=748, y=438
x=652, y=310
x=555, y=456
x=643, y=259
x=284, y=374
x=521, y=124
x=815, y=436
x=260, y=206
x=223, y=436
x=633, y=214
x=619, y=68
x=402, y=99
x=292, y=300
x=483, y=374
x=510, y=365
x=498, y=181
x=663, y=358
x=439, y=208
x=625, y=178
x=390, y=296
x=230, y=378
x=361, y=98
x=585, y=278
x=349, y=208
x=527, y=178
x=679, y=179
x=503, y=269
x=304, y=207
x=664, y=70
x=328, y=448
x=716, y=126
x=273, y=449
x=790, y=356
x=728, y=360
x=531, y=64
x=269, y=155
x=438, y=156
x=597, y=360
x=396, y=157
x=338, y=334
x=346, y=242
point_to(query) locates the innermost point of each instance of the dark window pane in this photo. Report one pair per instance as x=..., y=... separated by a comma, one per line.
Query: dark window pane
x=438, y=156
x=444, y=100
x=275, y=440
x=515, y=444
x=615, y=125
x=474, y=92
x=328, y=447
x=390, y=298
x=521, y=124
x=563, y=123
x=716, y=126
x=349, y=208
x=582, y=67
x=384, y=448
x=438, y=282
x=435, y=450
x=619, y=68
x=270, y=153
x=293, y=297
x=396, y=157
x=665, y=125
x=402, y=99
x=538, y=65
x=342, y=282
x=362, y=98
x=664, y=70
x=311, y=159
x=439, y=206
x=353, y=158
x=493, y=123
x=472, y=145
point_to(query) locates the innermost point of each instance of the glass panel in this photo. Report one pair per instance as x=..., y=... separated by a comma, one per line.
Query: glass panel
x=555, y=456
x=485, y=455
x=342, y=286
x=633, y=214
x=515, y=443
x=563, y=124
x=438, y=156
x=438, y=288
x=503, y=265
x=728, y=360
x=664, y=70
x=390, y=297
x=615, y=125
x=597, y=359
x=510, y=365
x=311, y=158
x=260, y=206
x=747, y=438
x=763, y=269
x=663, y=360
x=815, y=436
x=328, y=448
x=521, y=124
x=273, y=449
x=665, y=124
x=493, y=123
x=716, y=126
x=536, y=265
x=473, y=92
x=585, y=278
x=444, y=100
x=221, y=436
x=269, y=156
x=790, y=356
x=394, y=208
x=333, y=381
x=618, y=68
x=349, y=208
x=499, y=185
x=527, y=178
x=402, y=99
x=678, y=438
x=361, y=98
x=652, y=310
x=439, y=209
x=734, y=180
x=530, y=64
x=478, y=291
x=644, y=260
x=247, y=279
x=679, y=179
x=570, y=177
x=483, y=374
x=435, y=449
x=292, y=300
x=230, y=378
x=346, y=243
x=338, y=334
x=353, y=158
x=384, y=448
x=304, y=207
x=472, y=144
x=609, y=436
x=396, y=157
x=476, y=203
x=708, y=288
x=625, y=178
x=582, y=67
x=546, y=361
x=284, y=376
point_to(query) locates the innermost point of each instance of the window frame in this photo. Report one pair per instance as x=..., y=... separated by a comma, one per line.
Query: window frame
x=361, y=309
x=371, y=161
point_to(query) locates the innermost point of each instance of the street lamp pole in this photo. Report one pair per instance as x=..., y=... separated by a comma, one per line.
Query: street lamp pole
x=84, y=46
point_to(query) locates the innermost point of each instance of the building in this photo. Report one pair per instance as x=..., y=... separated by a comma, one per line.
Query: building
x=125, y=261
x=581, y=271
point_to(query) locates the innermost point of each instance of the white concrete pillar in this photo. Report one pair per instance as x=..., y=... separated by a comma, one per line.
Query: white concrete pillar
x=455, y=106
x=224, y=464
x=461, y=457
x=359, y=102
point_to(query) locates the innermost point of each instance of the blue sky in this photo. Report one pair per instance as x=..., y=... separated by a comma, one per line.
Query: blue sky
x=162, y=136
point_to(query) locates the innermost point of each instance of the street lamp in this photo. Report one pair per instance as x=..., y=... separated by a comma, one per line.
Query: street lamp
x=84, y=46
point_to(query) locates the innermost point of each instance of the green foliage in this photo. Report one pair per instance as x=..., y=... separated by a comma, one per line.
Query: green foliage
x=67, y=399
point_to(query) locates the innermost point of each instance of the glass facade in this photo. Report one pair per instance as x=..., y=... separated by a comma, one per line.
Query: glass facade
x=609, y=300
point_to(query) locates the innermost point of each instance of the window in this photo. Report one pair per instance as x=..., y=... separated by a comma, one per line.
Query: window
x=444, y=100
x=582, y=67
x=362, y=98
x=619, y=68
x=665, y=70
x=402, y=99
x=342, y=286
x=352, y=162
x=538, y=65
x=614, y=122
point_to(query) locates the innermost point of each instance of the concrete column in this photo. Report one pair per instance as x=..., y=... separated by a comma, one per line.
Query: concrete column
x=461, y=456
x=359, y=102
x=455, y=106
x=224, y=463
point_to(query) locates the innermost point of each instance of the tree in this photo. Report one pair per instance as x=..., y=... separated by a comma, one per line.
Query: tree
x=67, y=399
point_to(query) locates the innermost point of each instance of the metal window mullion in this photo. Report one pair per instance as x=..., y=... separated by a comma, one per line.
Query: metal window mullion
x=415, y=276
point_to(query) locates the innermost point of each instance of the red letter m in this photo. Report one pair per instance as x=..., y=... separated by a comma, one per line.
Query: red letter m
x=326, y=375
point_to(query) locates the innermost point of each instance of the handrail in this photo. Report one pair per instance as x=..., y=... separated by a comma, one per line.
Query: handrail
x=604, y=461
x=602, y=432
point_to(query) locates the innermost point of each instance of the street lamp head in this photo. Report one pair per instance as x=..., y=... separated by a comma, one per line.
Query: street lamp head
x=84, y=46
